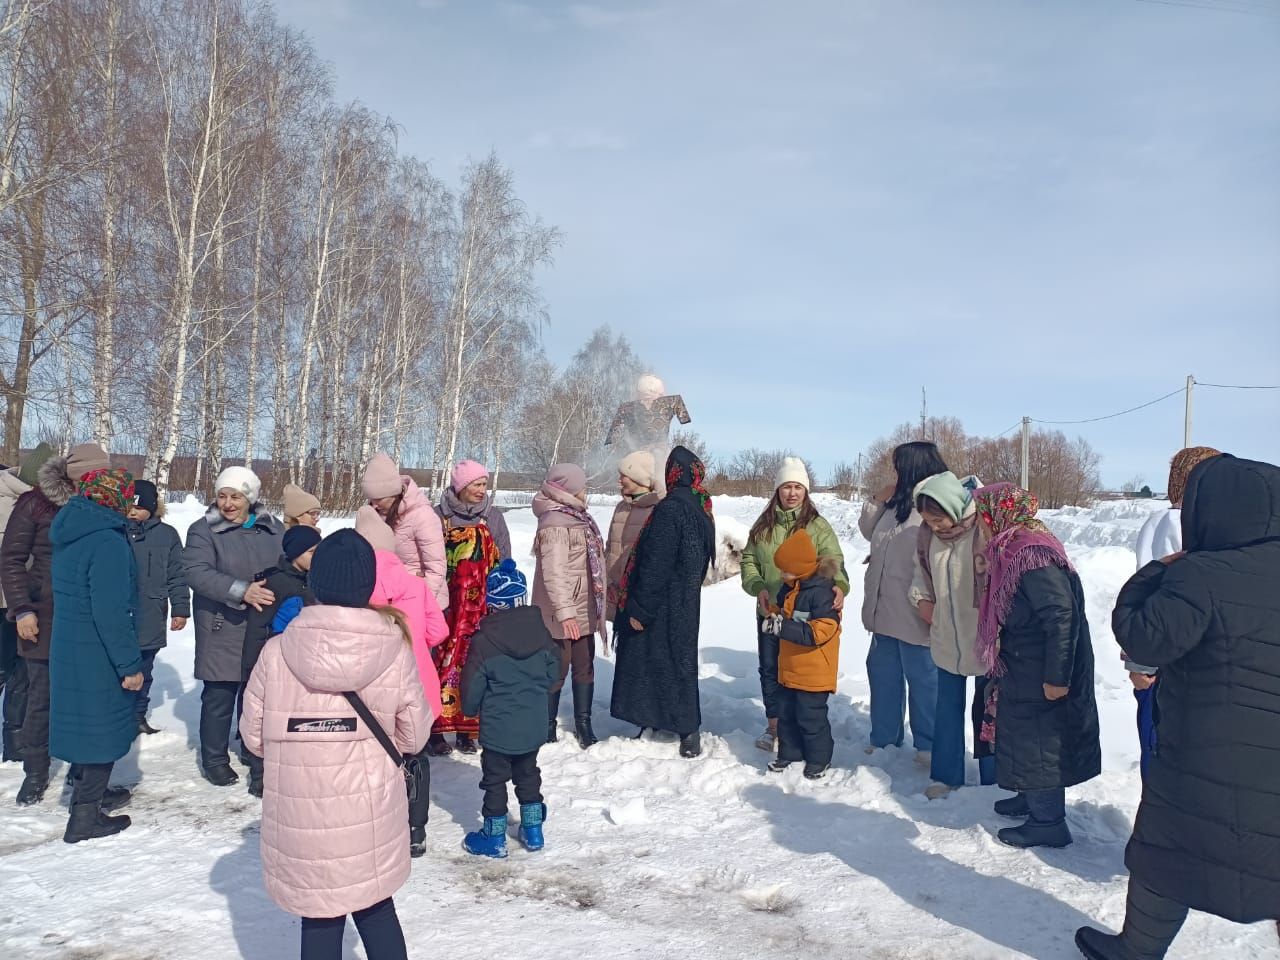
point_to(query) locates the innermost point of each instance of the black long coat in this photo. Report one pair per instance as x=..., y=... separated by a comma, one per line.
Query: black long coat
x=1208, y=829
x=655, y=683
x=1043, y=744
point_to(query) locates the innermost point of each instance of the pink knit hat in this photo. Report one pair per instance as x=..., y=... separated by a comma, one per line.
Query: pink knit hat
x=381, y=478
x=569, y=477
x=374, y=529
x=465, y=473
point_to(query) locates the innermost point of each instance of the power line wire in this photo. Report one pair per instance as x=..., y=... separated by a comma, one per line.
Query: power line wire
x=1238, y=386
x=1112, y=416
x=1190, y=5
x=1010, y=430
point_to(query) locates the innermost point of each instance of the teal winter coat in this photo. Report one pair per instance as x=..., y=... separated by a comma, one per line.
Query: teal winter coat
x=92, y=719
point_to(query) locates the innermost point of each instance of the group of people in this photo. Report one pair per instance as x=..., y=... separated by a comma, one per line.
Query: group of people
x=345, y=661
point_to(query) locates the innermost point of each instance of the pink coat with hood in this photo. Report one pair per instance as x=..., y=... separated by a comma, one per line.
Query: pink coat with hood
x=335, y=816
x=419, y=534
x=397, y=587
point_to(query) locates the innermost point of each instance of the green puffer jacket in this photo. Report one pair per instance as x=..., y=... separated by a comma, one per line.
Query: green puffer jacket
x=758, y=571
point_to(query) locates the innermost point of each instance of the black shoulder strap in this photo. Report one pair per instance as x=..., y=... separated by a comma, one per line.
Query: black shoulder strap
x=376, y=727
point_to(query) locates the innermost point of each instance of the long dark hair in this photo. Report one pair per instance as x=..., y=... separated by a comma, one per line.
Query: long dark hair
x=805, y=515
x=393, y=515
x=914, y=461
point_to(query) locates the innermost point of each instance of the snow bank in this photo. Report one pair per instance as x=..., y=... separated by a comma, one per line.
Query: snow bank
x=648, y=855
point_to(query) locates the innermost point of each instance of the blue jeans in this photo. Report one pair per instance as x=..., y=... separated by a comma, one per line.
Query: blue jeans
x=952, y=714
x=895, y=668
x=144, y=694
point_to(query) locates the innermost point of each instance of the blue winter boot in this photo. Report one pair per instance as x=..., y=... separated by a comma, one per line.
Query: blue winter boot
x=531, y=817
x=490, y=840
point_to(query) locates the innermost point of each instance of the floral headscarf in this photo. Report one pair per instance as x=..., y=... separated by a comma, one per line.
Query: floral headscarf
x=1019, y=544
x=111, y=488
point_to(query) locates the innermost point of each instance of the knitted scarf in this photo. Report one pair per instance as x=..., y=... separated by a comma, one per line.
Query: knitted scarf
x=595, y=555
x=686, y=481
x=453, y=507
x=1019, y=544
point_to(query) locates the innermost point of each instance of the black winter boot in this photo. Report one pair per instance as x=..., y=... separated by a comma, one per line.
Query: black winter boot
x=553, y=711
x=583, y=694
x=1014, y=807
x=1096, y=945
x=145, y=728
x=690, y=745
x=222, y=775
x=465, y=744
x=88, y=822
x=113, y=798
x=1033, y=834
x=417, y=841
x=32, y=790
x=12, y=749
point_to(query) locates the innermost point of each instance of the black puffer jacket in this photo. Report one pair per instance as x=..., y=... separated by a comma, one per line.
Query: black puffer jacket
x=1208, y=829
x=162, y=580
x=1043, y=744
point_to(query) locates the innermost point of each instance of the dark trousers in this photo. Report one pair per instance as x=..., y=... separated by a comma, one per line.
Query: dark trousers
x=1150, y=920
x=218, y=711
x=1047, y=806
x=379, y=929
x=1148, y=721
x=13, y=683
x=35, y=725
x=581, y=656
x=804, y=730
x=767, y=646
x=89, y=782
x=144, y=695
x=499, y=769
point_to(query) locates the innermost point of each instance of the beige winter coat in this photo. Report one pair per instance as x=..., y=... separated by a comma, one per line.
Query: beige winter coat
x=11, y=488
x=629, y=518
x=954, y=634
x=561, y=578
x=886, y=608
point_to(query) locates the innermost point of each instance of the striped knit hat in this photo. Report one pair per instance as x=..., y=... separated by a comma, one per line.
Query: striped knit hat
x=111, y=488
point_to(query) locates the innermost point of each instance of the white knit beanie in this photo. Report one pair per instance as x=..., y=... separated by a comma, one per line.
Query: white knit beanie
x=241, y=480
x=639, y=466
x=792, y=470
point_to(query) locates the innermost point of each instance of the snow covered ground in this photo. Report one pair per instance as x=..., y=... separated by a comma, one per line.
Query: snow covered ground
x=648, y=855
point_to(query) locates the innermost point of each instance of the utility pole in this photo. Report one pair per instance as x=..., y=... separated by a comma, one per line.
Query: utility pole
x=1026, y=452
x=858, y=479
x=1186, y=422
x=924, y=412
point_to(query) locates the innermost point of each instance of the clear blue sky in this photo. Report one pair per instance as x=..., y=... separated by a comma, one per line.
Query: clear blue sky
x=802, y=212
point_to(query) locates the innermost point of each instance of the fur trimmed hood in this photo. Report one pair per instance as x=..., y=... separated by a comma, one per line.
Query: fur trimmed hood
x=54, y=483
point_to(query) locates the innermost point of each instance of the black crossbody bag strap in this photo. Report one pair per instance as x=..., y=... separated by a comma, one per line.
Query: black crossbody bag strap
x=378, y=732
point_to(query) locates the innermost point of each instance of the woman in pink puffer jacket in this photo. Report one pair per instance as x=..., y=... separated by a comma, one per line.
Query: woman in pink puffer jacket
x=414, y=521
x=335, y=817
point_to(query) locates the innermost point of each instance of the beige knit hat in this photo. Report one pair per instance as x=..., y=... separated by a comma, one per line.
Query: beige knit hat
x=381, y=478
x=297, y=502
x=639, y=467
x=374, y=529
x=85, y=458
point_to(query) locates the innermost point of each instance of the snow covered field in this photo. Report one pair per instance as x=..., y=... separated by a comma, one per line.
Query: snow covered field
x=648, y=855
